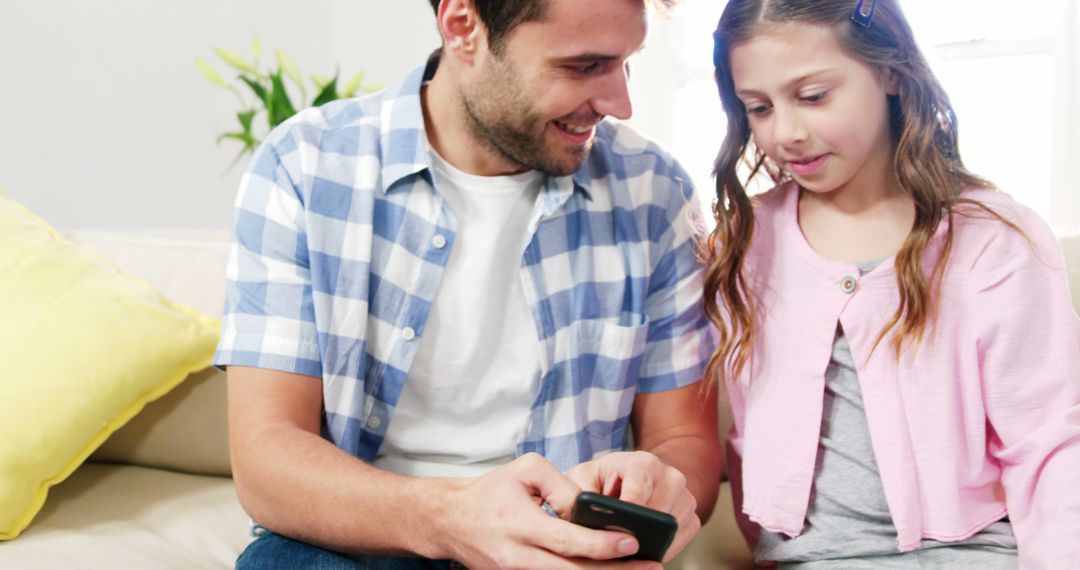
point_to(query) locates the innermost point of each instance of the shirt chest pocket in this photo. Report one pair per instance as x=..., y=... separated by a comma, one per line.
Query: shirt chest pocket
x=600, y=361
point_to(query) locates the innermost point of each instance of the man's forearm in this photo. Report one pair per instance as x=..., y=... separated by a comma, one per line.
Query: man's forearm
x=294, y=482
x=680, y=427
x=700, y=460
x=298, y=484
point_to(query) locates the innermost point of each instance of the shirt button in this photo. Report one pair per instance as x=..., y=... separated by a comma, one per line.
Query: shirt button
x=848, y=284
x=439, y=241
x=374, y=422
x=408, y=333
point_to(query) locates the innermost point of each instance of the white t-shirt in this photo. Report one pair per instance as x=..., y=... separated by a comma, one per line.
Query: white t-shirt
x=467, y=397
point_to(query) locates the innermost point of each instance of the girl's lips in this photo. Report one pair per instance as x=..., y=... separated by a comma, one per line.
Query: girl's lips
x=806, y=168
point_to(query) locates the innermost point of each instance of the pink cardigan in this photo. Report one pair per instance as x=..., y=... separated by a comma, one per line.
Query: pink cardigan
x=981, y=422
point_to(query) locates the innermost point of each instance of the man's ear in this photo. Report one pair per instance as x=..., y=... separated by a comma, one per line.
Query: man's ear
x=460, y=27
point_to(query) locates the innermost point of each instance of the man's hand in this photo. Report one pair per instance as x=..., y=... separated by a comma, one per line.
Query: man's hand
x=640, y=477
x=496, y=521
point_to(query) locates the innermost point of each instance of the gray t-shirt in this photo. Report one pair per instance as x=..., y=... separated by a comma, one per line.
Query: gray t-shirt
x=848, y=524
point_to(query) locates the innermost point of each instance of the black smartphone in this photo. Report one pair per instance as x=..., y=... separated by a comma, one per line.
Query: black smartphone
x=654, y=530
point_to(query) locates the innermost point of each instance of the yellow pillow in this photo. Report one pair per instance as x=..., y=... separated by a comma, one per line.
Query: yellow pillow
x=83, y=347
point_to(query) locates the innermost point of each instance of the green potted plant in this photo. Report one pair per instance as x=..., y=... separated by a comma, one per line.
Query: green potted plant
x=266, y=93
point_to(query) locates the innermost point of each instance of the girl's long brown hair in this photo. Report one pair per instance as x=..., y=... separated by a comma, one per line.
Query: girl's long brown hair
x=927, y=162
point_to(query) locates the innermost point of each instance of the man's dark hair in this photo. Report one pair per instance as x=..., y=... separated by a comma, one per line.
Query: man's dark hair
x=500, y=17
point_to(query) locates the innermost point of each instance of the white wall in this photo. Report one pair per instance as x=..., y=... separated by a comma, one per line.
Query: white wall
x=105, y=123
x=1065, y=205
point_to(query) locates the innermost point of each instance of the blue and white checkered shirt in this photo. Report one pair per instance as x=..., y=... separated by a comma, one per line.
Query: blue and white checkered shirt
x=342, y=239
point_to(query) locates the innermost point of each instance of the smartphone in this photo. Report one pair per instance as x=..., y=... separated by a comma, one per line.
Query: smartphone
x=654, y=530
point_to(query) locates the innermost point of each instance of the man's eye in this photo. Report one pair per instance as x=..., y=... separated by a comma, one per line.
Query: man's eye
x=587, y=69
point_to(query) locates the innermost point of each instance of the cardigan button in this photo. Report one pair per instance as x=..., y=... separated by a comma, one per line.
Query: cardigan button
x=848, y=284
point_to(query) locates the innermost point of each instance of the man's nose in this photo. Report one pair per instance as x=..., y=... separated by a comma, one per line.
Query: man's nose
x=613, y=98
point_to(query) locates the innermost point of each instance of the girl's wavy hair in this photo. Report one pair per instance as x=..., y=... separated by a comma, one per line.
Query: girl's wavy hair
x=927, y=160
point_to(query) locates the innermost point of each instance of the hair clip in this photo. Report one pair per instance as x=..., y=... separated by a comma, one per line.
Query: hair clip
x=861, y=16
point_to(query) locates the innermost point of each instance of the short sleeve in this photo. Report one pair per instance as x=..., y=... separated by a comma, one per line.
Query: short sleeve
x=678, y=344
x=269, y=319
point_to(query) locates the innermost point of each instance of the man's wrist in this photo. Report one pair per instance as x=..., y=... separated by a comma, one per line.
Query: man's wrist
x=431, y=516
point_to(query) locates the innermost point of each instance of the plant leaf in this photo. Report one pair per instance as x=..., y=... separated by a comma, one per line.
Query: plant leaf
x=289, y=67
x=243, y=137
x=237, y=62
x=279, y=106
x=258, y=88
x=350, y=88
x=328, y=93
x=209, y=73
x=245, y=118
x=320, y=81
x=256, y=49
x=250, y=142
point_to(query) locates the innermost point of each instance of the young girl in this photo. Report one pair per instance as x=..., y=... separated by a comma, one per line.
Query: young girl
x=896, y=337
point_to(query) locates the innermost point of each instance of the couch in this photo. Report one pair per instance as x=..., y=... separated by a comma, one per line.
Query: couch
x=158, y=493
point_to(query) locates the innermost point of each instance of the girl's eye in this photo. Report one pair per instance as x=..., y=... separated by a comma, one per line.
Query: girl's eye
x=757, y=109
x=814, y=97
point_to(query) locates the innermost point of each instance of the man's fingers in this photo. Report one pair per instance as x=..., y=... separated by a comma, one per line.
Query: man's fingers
x=506, y=529
x=587, y=476
x=555, y=488
x=638, y=478
x=569, y=540
x=668, y=491
x=689, y=525
x=685, y=509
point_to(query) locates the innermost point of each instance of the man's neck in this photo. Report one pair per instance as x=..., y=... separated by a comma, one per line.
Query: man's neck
x=449, y=133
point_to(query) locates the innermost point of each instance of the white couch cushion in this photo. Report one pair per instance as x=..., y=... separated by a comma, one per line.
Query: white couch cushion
x=188, y=267
x=185, y=430
x=108, y=516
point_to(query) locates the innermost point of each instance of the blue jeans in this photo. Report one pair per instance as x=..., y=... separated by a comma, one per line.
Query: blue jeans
x=273, y=552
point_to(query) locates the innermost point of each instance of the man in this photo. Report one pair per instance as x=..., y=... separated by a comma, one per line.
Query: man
x=450, y=304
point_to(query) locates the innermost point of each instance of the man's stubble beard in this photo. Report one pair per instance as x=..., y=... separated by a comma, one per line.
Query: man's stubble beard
x=501, y=117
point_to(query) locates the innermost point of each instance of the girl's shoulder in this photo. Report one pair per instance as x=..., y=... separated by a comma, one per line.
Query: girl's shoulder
x=982, y=212
x=991, y=227
x=997, y=200
x=775, y=213
x=775, y=202
x=775, y=196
